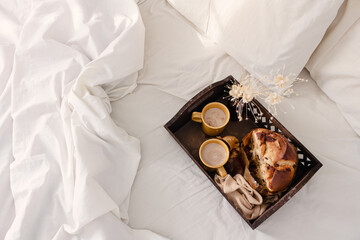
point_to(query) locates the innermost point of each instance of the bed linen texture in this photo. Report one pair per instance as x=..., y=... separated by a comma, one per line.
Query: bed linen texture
x=84, y=154
x=180, y=203
x=72, y=167
x=10, y=25
x=264, y=36
x=335, y=63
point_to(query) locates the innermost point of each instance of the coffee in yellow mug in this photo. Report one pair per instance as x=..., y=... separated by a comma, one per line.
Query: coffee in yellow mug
x=214, y=117
x=214, y=154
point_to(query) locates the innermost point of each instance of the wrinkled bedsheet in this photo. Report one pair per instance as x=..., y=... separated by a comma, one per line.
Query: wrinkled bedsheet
x=68, y=167
x=84, y=154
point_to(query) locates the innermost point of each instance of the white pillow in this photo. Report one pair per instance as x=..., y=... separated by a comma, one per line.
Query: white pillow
x=263, y=35
x=335, y=65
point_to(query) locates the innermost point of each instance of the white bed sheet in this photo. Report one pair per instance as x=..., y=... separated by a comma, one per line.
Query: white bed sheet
x=10, y=26
x=66, y=168
x=172, y=197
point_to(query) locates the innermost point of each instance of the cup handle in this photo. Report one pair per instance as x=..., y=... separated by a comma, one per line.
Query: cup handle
x=196, y=117
x=221, y=171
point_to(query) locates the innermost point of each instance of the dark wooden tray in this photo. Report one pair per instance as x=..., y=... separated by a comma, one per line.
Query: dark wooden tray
x=190, y=136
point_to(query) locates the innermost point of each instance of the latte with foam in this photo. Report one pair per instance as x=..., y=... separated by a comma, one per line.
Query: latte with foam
x=215, y=117
x=213, y=154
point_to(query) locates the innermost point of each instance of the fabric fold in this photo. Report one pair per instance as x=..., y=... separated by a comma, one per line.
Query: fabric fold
x=242, y=195
x=74, y=167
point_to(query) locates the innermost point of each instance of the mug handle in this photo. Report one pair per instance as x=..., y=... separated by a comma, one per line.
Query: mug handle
x=196, y=117
x=221, y=171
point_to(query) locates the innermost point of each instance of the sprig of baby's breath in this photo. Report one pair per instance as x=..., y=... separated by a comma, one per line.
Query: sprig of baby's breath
x=243, y=92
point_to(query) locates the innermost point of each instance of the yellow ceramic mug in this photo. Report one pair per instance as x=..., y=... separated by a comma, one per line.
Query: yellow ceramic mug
x=214, y=154
x=211, y=130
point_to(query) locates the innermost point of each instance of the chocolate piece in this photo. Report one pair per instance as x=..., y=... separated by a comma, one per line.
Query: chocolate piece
x=270, y=139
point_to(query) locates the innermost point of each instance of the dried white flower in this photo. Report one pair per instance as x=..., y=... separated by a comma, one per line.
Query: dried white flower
x=281, y=80
x=289, y=91
x=242, y=93
x=273, y=99
x=247, y=94
x=235, y=91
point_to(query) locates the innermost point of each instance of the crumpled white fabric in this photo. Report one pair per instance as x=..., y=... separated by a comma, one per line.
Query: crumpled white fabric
x=73, y=166
x=242, y=195
x=10, y=29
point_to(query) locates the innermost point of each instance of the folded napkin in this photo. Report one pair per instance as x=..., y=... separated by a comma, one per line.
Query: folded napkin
x=242, y=195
